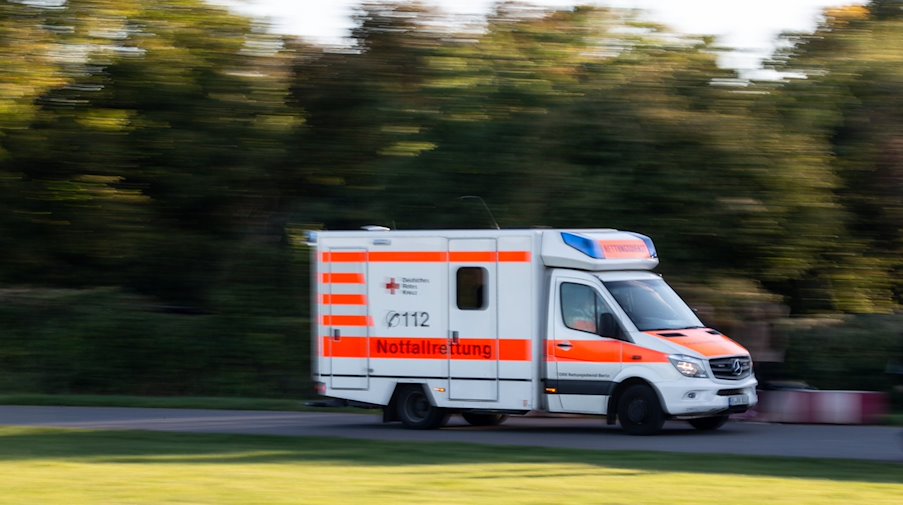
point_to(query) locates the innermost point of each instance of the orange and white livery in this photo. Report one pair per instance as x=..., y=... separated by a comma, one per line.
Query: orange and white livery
x=490, y=323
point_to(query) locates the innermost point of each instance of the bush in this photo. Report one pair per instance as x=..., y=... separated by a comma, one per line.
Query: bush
x=107, y=342
x=847, y=353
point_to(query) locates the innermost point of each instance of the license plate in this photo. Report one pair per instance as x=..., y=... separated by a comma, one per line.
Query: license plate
x=737, y=400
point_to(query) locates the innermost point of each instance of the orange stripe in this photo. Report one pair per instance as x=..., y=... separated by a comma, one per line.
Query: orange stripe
x=427, y=348
x=514, y=256
x=343, y=279
x=426, y=257
x=345, y=347
x=472, y=257
x=595, y=351
x=347, y=321
x=636, y=354
x=603, y=351
x=344, y=257
x=515, y=350
x=344, y=300
x=407, y=257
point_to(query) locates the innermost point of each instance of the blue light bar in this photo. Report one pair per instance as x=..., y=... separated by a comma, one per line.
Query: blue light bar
x=585, y=245
x=649, y=244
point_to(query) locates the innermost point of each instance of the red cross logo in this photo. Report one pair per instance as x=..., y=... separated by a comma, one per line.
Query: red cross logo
x=392, y=286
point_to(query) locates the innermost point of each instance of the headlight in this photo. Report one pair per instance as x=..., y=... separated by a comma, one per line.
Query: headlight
x=688, y=366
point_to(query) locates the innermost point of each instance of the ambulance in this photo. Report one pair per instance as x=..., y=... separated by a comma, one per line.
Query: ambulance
x=492, y=323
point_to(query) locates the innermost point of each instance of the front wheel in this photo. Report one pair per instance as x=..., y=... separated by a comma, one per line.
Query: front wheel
x=639, y=411
x=416, y=412
x=476, y=419
x=708, y=423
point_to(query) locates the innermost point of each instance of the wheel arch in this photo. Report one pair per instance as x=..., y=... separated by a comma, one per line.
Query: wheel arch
x=615, y=397
x=390, y=411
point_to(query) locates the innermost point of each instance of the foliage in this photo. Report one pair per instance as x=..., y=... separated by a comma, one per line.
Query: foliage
x=152, y=157
x=105, y=342
x=850, y=104
x=855, y=353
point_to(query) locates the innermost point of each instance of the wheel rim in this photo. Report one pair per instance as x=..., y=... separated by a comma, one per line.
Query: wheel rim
x=637, y=411
x=417, y=406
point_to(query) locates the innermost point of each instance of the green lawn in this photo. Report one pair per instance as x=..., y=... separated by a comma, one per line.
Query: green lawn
x=73, y=467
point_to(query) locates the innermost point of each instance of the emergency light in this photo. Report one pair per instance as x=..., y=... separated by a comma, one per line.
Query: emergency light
x=596, y=248
x=585, y=245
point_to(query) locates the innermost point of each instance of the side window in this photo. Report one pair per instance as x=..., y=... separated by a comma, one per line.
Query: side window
x=583, y=309
x=471, y=288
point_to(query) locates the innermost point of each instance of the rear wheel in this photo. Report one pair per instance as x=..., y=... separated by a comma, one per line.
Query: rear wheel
x=639, y=411
x=476, y=419
x=416, y=412
x=708, y=423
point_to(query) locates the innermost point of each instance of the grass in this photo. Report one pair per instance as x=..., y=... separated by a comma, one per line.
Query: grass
x=51, y=466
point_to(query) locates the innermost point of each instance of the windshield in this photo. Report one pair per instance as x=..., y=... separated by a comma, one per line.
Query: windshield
x=652, y=305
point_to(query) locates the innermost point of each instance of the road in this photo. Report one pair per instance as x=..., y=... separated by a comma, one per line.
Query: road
x=877, y=443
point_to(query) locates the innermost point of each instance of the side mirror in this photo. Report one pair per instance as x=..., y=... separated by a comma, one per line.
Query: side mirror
x=607, y=326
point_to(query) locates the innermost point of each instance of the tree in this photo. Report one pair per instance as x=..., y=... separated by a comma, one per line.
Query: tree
x=162, y=147
x=849, y=104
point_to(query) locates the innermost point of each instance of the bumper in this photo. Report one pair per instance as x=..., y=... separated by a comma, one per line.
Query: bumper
x=694, y=398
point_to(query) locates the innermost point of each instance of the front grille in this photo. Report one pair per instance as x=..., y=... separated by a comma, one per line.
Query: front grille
x=733, y=368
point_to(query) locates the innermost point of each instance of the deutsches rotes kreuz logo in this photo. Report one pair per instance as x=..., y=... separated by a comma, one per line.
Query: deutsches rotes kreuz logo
x=392, y=286
x=406, y=285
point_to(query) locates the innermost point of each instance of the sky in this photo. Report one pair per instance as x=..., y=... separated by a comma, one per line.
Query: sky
x=749, y=27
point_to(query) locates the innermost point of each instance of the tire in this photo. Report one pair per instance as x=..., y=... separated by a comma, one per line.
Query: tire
x=708, y=423
x=416, y=412
x=476, y=419
x=639, y=411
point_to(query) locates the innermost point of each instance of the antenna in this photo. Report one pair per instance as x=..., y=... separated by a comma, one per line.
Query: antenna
x=491, y=217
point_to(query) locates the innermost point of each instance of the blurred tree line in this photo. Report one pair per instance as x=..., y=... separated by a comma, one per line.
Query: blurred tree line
x=159, y=160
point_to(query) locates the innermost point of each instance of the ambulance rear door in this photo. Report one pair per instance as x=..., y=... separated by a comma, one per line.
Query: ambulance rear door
x=345, y=317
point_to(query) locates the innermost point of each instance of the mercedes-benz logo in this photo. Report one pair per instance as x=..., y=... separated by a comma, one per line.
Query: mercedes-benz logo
x=736, y=367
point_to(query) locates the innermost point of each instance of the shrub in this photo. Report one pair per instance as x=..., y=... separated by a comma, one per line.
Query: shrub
x=107, y=342
x=848, y=353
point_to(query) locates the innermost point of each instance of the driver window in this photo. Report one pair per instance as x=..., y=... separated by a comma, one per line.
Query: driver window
x=582, y=308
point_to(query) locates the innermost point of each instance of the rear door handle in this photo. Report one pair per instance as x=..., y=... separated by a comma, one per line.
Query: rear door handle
x=565, y=346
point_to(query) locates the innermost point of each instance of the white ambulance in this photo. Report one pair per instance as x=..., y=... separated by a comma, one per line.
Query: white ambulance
x=488, y=323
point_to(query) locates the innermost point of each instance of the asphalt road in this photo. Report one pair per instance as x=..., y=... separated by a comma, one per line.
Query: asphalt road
x=880, y=443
